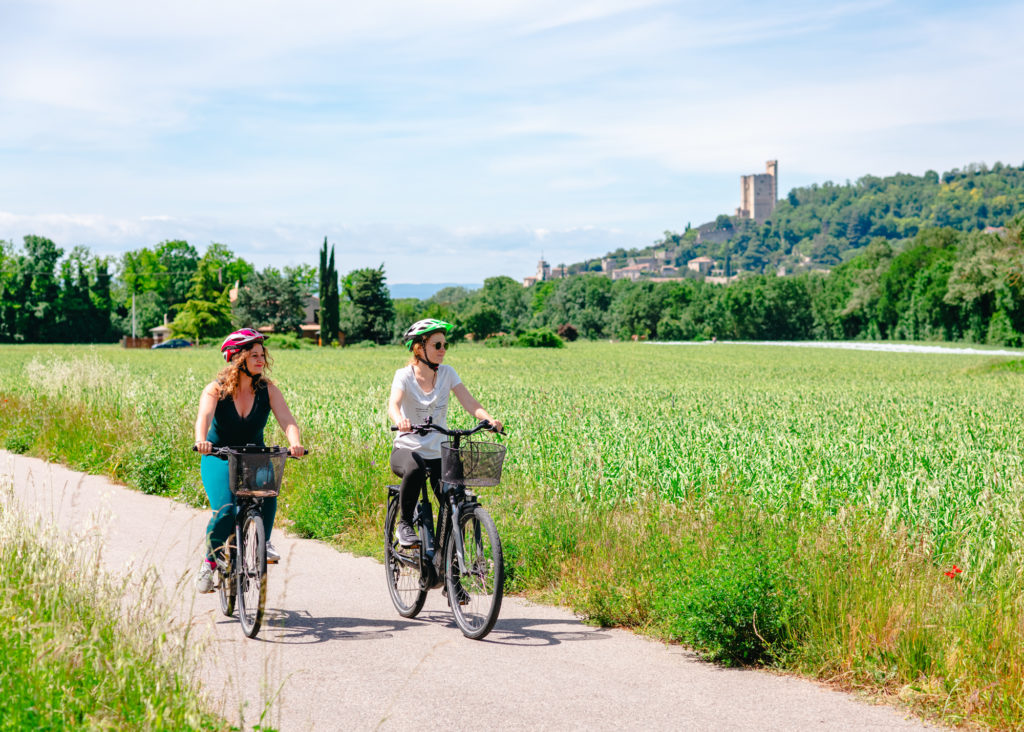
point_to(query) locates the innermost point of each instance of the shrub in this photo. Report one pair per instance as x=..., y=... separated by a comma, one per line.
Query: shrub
x=568, y=332
x=541, y=338
x=18, y=440
x=151, y=469
x=501, y=341
x=288, y=342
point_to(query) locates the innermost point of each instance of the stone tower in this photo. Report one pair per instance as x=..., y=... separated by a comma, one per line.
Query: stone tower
x=758, y=193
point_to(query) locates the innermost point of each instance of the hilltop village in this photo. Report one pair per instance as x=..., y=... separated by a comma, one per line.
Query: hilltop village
x=758, y=197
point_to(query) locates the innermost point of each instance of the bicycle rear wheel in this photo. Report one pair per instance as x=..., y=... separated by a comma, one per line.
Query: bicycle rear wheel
x=403, y=568
x=252, y=574
x=475, y=595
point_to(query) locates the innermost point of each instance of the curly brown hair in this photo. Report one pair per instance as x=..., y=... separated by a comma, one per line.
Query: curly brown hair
x=229, y=376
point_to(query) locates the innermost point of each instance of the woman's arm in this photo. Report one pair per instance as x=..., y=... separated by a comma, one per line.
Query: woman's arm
x=395, y=410
x=286, y=420
x=471, y=405
x=207, y=406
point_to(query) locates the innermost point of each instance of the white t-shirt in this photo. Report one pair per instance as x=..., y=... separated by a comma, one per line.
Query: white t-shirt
x=417, y=406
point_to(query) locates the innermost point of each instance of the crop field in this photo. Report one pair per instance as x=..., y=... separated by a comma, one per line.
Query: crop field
x=854, y=516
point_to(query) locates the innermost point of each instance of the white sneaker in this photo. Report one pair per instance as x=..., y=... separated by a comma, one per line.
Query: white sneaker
x=204, y=580
x=272, y=556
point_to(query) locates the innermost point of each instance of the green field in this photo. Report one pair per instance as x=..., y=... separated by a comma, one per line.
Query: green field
x=789, y=506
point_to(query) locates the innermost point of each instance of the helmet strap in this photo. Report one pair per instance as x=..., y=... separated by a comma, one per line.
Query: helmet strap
x=430, y=364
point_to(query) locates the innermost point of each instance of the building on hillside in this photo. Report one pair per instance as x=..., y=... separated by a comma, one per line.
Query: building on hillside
x=759, y=193
x=546, y=272
x=703, y=265
x=719, y=278
x=709, y=233
x=630, y=272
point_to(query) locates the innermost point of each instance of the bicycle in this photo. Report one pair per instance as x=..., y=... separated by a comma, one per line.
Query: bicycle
x=466, y=559
x=254, y=473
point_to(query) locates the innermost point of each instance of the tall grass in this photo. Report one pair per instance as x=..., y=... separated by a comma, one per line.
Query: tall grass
x=766, y=505
x=82, y=649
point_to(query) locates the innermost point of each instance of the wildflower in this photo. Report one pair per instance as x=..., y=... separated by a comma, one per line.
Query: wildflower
x=952, y=573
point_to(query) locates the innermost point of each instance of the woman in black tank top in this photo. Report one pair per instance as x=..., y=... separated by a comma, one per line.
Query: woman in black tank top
x=233, y=411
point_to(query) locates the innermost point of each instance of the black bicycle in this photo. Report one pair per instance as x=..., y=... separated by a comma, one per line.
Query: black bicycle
x=466, y=557
x=254, y=473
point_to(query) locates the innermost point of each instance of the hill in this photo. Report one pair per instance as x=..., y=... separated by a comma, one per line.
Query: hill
x=820, y=226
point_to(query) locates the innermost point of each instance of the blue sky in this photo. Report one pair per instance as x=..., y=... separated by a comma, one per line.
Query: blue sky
x=453, y=141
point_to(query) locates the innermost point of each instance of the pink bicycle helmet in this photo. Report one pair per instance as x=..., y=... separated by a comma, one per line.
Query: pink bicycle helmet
x=239, y=340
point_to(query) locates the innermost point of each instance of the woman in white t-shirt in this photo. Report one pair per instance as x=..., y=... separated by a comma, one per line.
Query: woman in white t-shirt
x=420, y=390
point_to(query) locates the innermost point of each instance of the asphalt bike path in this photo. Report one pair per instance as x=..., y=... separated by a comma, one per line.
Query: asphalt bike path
x=334, y=655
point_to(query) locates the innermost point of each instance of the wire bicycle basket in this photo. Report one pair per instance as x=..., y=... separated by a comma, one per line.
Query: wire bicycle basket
x=472, y=463
x=256, y=472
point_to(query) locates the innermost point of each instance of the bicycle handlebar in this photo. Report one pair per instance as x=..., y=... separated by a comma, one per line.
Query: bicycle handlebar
x=225, y=450
x=427, y=426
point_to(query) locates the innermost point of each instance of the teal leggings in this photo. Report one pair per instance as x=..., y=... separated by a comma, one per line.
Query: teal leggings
x=214, y=472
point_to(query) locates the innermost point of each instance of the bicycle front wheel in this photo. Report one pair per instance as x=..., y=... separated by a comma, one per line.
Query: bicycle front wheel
x=403, y=568
x=252, y=574
x=226, y=592
x=475, y=595
x=226, y=577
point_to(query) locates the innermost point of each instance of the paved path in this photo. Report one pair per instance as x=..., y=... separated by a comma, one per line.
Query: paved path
x=335, y=656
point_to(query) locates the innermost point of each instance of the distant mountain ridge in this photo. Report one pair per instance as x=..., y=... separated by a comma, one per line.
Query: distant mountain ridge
x=424, y=290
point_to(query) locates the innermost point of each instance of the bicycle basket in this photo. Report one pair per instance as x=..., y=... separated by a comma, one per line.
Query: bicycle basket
x=255, y=472
x=473, y=464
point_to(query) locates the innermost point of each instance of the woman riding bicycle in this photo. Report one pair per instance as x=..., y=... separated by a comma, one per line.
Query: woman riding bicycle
x=233, y=411
x=420, y=390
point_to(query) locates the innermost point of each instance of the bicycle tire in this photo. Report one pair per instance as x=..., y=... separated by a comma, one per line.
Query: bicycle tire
x=482, y=587
x=404, y=578
x=252, y=574
x=226, y=579
x=226, y=592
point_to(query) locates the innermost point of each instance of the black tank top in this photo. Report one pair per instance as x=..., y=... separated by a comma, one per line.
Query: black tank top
x=229, y=429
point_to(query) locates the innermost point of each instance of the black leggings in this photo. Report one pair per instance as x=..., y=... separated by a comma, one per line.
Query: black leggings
x=413, y=469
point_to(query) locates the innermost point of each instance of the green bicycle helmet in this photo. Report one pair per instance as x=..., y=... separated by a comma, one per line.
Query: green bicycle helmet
x=422, y=328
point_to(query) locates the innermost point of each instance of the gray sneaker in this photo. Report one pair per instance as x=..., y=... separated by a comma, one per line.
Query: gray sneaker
x=272, y=556
x=204, y=580
x=406, y=535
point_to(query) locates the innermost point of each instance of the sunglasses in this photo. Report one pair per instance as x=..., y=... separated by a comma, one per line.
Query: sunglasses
x=442, y=346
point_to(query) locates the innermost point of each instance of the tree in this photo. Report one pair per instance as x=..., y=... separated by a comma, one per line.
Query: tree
x=40, y=265
x=198, y=319
x=369, y=312
x=509, y=298
x=482, y=320
x=305, y=276
x=269, y=299
x=216, y=272
x=329, y=298
x=178, y=262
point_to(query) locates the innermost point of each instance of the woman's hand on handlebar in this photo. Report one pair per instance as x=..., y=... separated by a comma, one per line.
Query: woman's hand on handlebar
x=203, y=447
x=495, y=425
x=404, y=425
x=296, y=451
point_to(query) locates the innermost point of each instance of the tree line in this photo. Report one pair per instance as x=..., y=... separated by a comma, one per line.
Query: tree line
x=47, y=296
x=943, y=284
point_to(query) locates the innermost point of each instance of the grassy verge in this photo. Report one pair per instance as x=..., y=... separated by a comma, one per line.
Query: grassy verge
x=75, y=654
